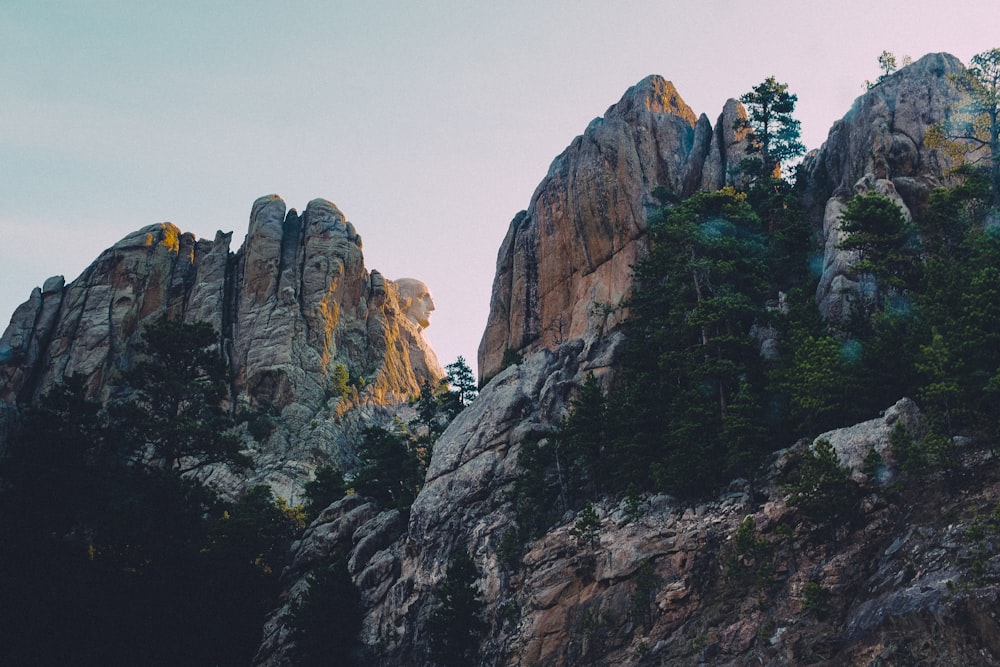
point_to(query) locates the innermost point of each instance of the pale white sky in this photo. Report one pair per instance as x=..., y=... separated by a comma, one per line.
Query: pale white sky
x=428, y=123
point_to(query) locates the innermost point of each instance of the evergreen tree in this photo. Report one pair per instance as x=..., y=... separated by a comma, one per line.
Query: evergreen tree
x=390, y=471
x=587, y=528
x=462, y=381
x=583, y=437
x=325, y=488
x=823, y=489
x=456, y=627
x=974, y=132
x=176, y=409
x=773, y=131
x=326, y=620
x=690, y=351
x=886, y=242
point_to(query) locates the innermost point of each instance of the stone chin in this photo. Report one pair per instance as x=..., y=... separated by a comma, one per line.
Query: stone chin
x=416, y=301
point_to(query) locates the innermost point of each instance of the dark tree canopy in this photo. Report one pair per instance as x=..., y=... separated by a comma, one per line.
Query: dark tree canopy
x=456, y=627
x=884, y=239
x=177, y=407
x=390, y=471
x=326, y=620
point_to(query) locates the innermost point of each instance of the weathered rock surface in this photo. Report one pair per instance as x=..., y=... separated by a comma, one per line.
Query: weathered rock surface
x=854, y=443
x=293, y=303
x=567, y=258
x=890, y=577
x=895, y=575
x=879, y=145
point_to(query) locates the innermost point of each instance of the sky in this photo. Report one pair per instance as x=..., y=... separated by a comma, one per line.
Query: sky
x=429, y=124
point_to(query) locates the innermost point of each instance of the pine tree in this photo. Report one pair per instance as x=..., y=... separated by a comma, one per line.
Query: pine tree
x=773, y=131
x=390, y=471
x=326, y=620
x=456, y=627
x=176, y=409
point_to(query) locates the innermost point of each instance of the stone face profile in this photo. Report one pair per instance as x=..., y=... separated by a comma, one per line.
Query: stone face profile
x=416, y=301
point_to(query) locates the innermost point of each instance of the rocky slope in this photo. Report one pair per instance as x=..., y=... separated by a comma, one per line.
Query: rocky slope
x=293, y=303
x=910, y=579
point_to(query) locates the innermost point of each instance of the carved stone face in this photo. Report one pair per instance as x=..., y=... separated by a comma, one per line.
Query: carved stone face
x=416, y=301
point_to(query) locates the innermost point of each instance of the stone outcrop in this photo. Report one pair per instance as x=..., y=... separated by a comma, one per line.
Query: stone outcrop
x=879, y=145
x=465, y=504
x=565, y=263
x=292, y=304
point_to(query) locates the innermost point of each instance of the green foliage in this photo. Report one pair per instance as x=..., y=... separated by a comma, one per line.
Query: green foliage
x=255, y=531
x=456, y=627
x=587, y=528
x=539, y=498
x=260, y=424
x=176, y=408
x=511, y=357
x=633, y=503
x=689, y=412
x=510, y=550
x=750, y=554
x=583, y=436
x=886, y=63
x=462, y=381
x=592, y=634
x=390, y=472
x=436, y=408
x=340, y=380
x=873, y=464
x=326, y=488
x=816, y=599
x=326, y=621
x=772, y=130
x=886, y=242
x=974, y=133
x=822, y=489
x=819, y=380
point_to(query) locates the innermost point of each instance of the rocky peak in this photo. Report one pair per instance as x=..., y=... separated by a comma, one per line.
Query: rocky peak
x=654, y=94
x=292, y=304
x=564, y=265
x=878, y=146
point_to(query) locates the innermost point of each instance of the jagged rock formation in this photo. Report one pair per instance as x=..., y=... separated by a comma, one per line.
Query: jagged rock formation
x=290, y=305
x=465, y=504
x=565, y=261
x=879, y=145
x=296, y=299
x=895, y=573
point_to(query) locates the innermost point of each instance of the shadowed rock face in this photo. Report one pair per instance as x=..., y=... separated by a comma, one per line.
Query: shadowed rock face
x=569, y=255
x=291, y=305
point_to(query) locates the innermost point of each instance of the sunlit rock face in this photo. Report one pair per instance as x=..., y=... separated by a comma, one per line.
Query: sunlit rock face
x=878, y=146
x=294, y=303
x=565, y=261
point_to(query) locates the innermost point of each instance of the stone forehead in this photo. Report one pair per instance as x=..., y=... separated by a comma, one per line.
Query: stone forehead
x=411, y=285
